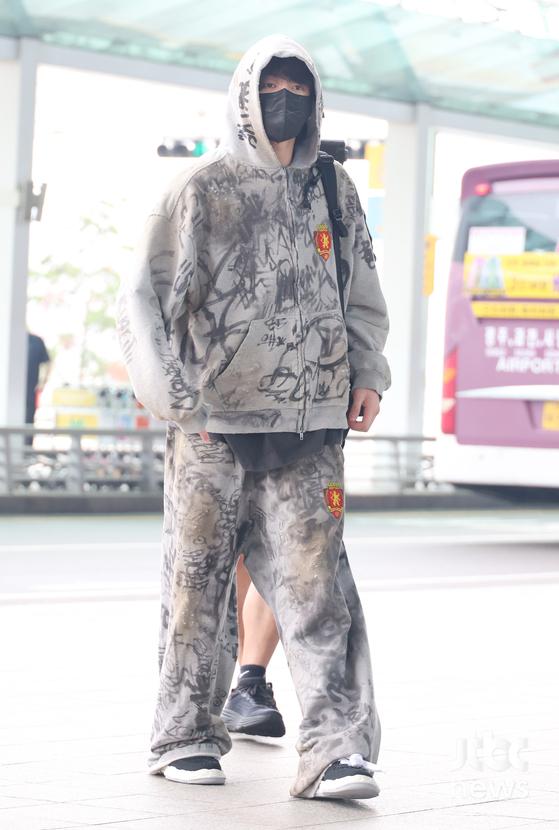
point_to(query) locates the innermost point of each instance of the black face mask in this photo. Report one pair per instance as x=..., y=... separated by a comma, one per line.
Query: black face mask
x=285, y=113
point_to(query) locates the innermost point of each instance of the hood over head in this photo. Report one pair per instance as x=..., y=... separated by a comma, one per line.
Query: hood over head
x=245, y=136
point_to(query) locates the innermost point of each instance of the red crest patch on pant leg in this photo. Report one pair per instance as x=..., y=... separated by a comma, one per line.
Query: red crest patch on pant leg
x=334, y=497
x=323, y=241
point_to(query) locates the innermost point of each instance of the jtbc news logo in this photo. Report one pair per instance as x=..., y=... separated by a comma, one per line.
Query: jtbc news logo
x=487, y=751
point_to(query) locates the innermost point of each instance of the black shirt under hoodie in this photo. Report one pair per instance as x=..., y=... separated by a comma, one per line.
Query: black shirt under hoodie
x=259, y=452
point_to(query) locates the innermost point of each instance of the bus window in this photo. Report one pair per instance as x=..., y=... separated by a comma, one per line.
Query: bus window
x=537, y=212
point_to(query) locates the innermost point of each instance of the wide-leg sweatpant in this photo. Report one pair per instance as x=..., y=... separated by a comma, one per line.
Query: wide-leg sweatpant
x=287, y=524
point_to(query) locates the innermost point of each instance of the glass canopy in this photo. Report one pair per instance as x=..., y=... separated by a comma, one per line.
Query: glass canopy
x=491, y=58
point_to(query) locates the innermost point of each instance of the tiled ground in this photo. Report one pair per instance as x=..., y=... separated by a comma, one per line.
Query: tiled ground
x=467, y=681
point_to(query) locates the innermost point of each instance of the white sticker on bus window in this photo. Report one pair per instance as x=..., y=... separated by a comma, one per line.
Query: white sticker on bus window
x=496, y=240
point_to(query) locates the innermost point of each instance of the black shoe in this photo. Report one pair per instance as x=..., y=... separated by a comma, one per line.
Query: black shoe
x=349, y=778
x=251, y=709
x=198, y=769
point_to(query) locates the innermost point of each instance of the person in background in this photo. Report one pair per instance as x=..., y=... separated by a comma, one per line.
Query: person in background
x=38, y=368
x=251, y=707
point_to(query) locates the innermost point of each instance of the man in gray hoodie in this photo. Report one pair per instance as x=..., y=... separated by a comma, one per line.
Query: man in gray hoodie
x=233, y=331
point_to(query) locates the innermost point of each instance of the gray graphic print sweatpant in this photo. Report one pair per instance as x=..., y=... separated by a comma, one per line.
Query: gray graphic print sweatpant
x=289, y=523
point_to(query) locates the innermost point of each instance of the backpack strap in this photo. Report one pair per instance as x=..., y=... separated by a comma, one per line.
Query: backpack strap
x=325, y=164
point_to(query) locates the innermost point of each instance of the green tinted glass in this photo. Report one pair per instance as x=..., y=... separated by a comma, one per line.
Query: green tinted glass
x=476, y=56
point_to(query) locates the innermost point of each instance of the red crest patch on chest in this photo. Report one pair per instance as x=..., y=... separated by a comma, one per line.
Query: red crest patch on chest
x=323, y=241
x=334, y=497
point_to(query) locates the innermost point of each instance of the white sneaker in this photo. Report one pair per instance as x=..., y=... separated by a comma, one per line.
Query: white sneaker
x=198, y=769
x=349, y=778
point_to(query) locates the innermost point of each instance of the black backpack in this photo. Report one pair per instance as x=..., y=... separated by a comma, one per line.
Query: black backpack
x=325, y=164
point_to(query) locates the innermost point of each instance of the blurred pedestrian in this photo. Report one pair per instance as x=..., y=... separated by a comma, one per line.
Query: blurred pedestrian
x=38, y=368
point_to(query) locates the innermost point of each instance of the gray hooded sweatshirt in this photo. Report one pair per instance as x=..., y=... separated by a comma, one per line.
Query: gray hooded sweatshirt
x=231, y=321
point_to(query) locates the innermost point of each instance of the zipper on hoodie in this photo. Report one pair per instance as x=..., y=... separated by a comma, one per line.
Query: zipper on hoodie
x=296, y=297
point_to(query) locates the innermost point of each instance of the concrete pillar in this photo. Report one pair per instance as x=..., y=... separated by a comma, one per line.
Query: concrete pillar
x=17, y=105
x=409, y=160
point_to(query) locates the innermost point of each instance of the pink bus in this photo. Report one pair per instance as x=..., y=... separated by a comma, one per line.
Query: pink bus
x=500, y=418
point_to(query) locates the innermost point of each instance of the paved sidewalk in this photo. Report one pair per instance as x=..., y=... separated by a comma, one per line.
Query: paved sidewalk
x=92, y=557
x=467, y=682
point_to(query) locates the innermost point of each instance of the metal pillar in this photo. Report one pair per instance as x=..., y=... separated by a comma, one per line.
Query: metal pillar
x=17, y=105
x=409, y=162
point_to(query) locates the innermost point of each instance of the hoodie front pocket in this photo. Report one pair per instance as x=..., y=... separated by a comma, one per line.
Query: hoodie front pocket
x=326, y=358
x=265, y=371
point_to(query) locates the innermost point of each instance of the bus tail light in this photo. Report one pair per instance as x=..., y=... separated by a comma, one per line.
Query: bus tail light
x=449, y=394
x=482, y=189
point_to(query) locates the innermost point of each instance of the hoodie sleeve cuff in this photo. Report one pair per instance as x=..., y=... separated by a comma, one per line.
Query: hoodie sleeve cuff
x=366, y=379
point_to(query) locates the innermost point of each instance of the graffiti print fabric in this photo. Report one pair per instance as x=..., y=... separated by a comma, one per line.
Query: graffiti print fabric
x=230, y=321
x=295, y=556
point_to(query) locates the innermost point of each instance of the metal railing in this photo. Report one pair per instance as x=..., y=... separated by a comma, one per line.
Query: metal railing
x=86, y=461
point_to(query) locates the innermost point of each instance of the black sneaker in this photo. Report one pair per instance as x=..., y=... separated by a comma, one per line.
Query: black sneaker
x=198, y=769
x=349, y=778
x=251, y=709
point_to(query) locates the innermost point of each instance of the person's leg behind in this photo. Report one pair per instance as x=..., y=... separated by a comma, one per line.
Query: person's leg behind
x=251, y=708
x=294, y=559
x=243, y=581
x=258, y=633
